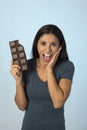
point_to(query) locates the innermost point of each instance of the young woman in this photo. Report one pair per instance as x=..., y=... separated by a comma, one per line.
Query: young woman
x=43, y=89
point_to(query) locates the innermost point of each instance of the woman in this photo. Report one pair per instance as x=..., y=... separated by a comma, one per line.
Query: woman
x=43, y=89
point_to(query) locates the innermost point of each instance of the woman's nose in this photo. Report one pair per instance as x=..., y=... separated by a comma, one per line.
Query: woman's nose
x=48, y=48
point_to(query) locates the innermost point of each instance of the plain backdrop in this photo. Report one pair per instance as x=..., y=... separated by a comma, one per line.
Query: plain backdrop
x=21, y=19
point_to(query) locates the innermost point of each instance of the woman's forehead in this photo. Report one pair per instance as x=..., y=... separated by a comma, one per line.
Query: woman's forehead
x=49, y=37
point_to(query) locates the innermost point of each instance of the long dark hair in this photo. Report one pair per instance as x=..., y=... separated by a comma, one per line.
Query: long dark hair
x=50, y=29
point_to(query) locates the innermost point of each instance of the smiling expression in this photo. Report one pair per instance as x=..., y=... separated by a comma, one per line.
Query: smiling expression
x=47, y=46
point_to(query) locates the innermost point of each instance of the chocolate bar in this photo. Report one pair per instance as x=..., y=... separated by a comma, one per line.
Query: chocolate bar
x=18, y=54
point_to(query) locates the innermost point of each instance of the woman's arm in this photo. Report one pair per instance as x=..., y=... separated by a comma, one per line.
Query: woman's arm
x=59, y=92
x=20, y=96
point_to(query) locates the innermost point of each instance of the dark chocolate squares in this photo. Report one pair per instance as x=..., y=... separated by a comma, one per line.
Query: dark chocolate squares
x=18, y=54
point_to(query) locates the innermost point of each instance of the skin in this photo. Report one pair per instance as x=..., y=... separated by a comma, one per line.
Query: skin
x=48, y=45
x=20, y=96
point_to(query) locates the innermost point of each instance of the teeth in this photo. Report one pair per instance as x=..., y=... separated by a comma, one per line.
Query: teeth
x=48, y=55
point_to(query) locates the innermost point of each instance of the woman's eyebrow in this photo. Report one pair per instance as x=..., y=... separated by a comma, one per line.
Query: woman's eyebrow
x=42, y=41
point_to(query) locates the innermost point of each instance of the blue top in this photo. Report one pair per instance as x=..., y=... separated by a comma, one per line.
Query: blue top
x=40, y=113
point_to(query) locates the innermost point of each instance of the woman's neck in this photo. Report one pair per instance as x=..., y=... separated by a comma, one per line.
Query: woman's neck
x=40, y=64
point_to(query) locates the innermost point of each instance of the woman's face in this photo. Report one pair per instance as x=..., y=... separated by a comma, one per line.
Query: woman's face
x=47, y=46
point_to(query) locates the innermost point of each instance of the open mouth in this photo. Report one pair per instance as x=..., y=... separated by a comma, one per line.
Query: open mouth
x=47, y=57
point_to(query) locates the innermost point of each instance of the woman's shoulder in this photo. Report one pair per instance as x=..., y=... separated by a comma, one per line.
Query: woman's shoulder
x=67, y=64
x=31, y=64
x=31, y=61
x=65, y=69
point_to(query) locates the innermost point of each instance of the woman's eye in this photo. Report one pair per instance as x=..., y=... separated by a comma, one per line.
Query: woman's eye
x=54, y=44
x=43, y=43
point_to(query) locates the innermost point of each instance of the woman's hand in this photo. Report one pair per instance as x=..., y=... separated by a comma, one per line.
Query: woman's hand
x=52, y=63
x=16, y=71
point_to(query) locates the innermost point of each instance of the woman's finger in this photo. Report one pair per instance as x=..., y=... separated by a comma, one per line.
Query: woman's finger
x=14, y=65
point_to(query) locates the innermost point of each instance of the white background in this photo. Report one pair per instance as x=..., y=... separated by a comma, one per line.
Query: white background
x=20, y=19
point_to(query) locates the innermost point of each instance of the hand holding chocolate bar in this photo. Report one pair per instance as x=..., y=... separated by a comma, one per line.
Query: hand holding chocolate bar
x=18, y=54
